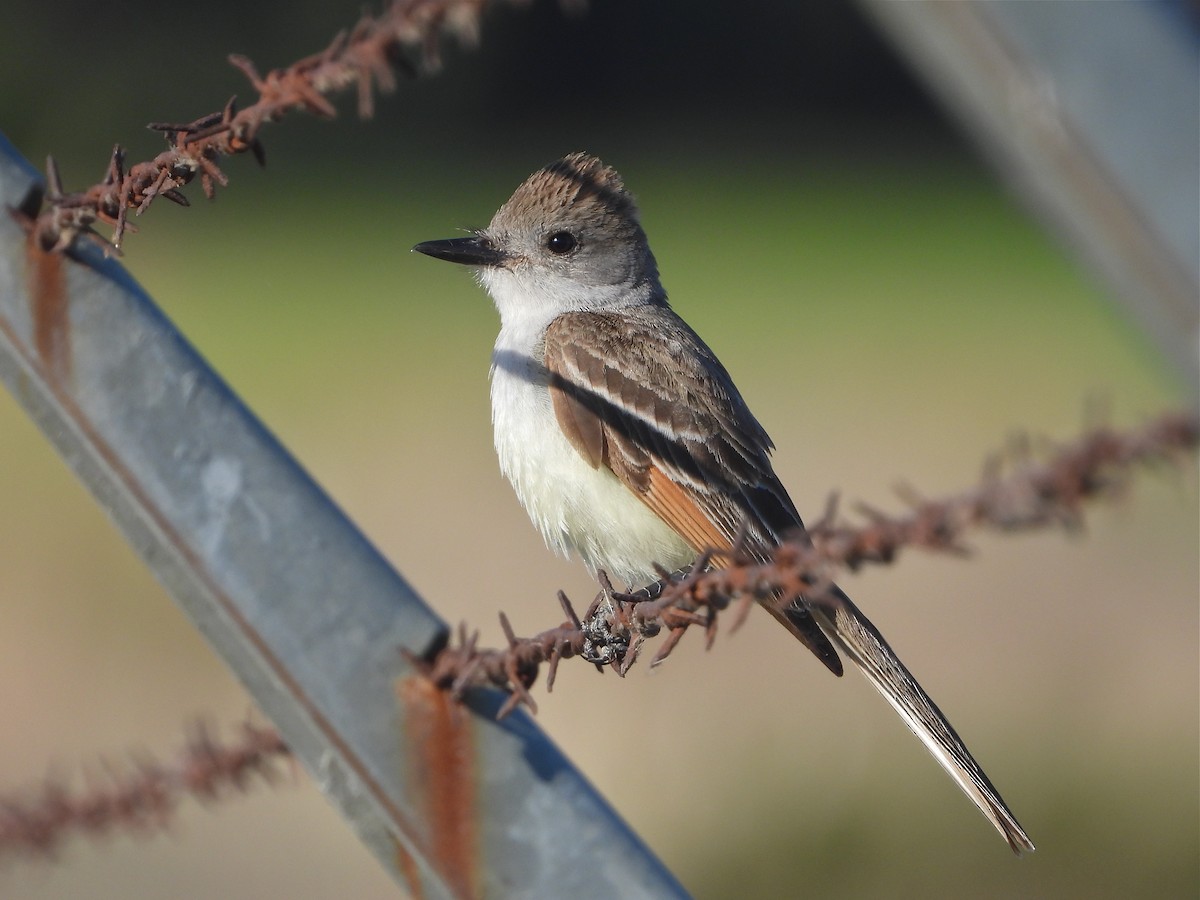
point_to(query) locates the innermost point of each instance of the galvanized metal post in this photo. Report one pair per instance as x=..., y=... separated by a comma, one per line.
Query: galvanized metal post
x=292, y=595
x=1091, y=110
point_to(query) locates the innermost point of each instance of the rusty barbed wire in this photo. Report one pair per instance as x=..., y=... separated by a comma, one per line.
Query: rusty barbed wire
x=1017, y=492
x=139, y=795
x=404, y=39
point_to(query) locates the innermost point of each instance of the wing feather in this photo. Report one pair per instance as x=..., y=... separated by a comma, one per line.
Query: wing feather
x=639, y=393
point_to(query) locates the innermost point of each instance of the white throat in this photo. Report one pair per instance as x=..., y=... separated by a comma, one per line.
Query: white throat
x=528, y=296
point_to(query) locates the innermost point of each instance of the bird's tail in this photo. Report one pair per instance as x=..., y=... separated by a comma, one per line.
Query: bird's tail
x=861, y=641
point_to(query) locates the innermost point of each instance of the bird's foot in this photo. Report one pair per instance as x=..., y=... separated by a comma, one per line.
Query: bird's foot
x=606, y=633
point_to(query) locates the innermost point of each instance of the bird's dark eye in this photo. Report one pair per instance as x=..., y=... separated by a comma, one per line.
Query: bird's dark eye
x=561, y=242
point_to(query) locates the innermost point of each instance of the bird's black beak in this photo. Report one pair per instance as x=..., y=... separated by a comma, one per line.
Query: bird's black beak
x=470, y=251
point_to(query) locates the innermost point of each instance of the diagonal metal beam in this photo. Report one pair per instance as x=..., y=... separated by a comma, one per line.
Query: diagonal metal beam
x=1091, y=111
x=297, y=601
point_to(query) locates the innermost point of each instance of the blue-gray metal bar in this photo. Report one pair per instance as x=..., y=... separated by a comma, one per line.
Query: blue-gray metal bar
x=1092, y=111
x=290, y=593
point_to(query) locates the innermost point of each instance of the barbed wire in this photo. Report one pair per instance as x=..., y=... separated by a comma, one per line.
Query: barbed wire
x=139, y=795
x=1018, y=491
x=402, y=40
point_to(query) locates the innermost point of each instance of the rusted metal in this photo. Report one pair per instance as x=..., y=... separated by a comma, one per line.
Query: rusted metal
x=312, y=619
x=402, y=40
x=48, y=298
x=1037, y=493
x=409, y=873
x=140, y=793
x=445, y=784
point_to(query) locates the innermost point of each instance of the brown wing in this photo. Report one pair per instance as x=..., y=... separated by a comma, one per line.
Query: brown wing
x=642, y=395
x=639, y=393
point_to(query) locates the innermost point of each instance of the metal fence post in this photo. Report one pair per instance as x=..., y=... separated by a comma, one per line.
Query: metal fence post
x=292, y=595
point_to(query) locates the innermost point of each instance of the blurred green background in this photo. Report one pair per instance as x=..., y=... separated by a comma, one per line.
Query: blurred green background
x=888, y=310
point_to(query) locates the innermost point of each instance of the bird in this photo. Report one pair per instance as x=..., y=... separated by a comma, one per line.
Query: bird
x=628, y=443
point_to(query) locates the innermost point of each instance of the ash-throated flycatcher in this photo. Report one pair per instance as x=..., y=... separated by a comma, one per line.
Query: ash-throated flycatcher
x=627, y=441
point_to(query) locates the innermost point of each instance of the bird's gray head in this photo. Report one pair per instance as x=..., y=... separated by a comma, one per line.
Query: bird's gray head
x=568, y=239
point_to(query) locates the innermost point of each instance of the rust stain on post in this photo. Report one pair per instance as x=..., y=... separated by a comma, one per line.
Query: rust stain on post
x=408, y=869
x=442, y=769
x=48, y=308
